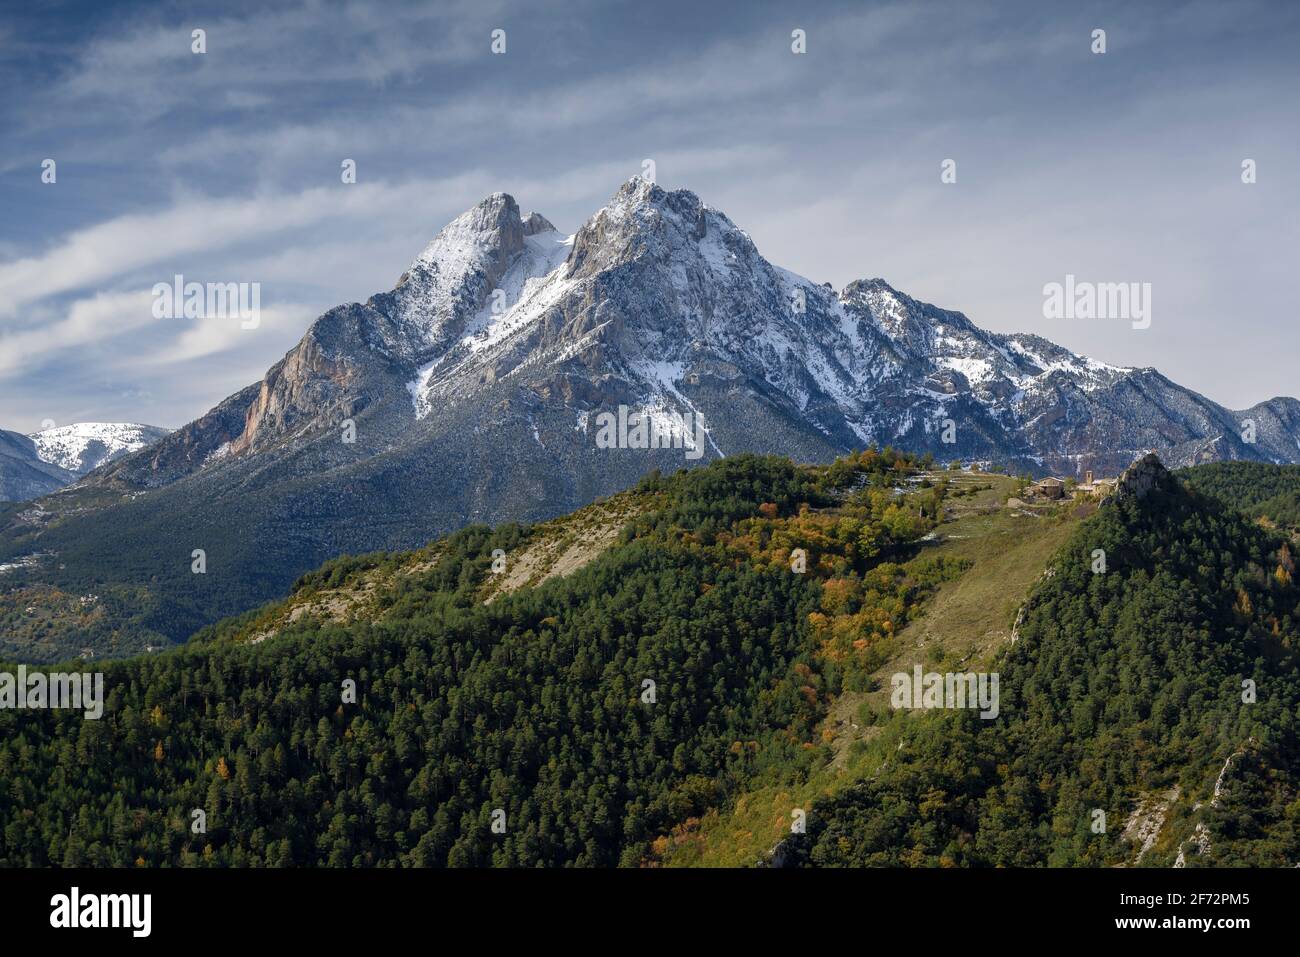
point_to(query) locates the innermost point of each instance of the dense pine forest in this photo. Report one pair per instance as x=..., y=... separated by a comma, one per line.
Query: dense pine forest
x=578, y=720
x=1257, y=488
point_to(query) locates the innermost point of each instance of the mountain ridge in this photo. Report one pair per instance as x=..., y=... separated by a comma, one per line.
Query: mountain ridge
x=888, y=368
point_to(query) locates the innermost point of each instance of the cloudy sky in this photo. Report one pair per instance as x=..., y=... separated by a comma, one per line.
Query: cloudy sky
x=225, y=166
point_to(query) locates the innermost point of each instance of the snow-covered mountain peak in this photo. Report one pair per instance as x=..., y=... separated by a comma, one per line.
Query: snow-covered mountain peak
x=645, y=222
x=533, y=280
x=454, y=275
x=489, y=230
x=535, y=223
x=663, y=291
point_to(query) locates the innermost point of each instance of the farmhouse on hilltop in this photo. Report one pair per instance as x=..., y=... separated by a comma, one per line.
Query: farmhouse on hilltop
x=1050, y=488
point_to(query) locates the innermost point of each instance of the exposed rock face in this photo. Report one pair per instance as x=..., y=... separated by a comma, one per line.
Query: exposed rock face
x=1142, y=478
x=780, y=856
x=535, y=223
x=1200, y=842
x=1147, y=820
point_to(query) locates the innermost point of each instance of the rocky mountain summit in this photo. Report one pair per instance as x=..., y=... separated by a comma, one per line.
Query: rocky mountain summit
x=1143, y=477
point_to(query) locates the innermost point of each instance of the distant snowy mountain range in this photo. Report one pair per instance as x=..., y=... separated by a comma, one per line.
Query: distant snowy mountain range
x=36, y=464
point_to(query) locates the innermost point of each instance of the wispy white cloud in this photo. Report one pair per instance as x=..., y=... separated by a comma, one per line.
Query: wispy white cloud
x=191, y=226
x=202, y=338
x=102, y=316
x=272, y=47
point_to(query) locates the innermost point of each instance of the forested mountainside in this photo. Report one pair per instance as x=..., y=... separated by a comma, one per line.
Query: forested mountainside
x=1257, y=488
x=671, y=698
x=23, y=473
x=531, y=703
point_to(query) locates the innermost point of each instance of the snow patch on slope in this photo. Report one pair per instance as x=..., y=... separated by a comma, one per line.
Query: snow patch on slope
x=663, y=377
x=532, y=284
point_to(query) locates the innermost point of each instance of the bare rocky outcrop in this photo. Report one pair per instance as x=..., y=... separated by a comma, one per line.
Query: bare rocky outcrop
x=1200, y=839
x=535, y=223
x=1047, y=575
x=1148, y=818
x=1143, y=477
